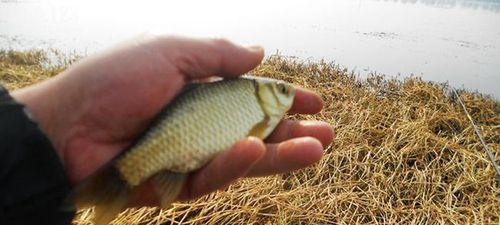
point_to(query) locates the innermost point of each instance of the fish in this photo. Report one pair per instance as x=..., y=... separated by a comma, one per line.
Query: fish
x=202, y=121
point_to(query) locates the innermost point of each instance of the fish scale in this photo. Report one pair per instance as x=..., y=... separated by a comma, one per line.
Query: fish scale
x=224, y=112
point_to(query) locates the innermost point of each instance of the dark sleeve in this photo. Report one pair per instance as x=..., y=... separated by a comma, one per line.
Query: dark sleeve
x=33, y=184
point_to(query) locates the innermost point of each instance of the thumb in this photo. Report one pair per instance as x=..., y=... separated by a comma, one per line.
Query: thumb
x=201, y=58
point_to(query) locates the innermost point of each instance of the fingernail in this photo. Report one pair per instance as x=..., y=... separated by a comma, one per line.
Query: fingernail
x=306, y=123
x=300, y=140
x=255, y=48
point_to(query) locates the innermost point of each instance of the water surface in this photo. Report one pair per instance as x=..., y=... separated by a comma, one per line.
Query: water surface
x=442, y=40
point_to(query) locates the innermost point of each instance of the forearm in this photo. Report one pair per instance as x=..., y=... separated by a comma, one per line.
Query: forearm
x=50, y=107
x=34, y=184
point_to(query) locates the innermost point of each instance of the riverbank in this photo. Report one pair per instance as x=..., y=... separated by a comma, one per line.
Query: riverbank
x=404, y=153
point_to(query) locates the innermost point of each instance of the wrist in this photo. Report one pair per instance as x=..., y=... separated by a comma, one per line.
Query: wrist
x=42, y=103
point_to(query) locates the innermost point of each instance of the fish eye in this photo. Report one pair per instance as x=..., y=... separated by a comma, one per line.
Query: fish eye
x=282, y=88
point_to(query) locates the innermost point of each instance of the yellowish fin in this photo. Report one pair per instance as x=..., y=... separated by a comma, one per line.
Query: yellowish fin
x=110, y=194
x=168, y=186
x=106, y=191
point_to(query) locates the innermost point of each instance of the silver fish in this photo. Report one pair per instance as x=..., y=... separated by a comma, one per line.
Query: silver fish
x=201, y=122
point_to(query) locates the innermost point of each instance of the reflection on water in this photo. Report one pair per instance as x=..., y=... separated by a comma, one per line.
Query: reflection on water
x=442, y=40
x=493, y=5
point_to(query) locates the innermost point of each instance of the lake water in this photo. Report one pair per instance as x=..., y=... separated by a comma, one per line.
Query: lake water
x=442, y=40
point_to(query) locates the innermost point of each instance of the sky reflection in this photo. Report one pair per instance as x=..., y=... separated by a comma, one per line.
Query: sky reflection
x=442, y=40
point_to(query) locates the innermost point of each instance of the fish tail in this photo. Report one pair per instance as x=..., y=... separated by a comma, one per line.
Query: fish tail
x=106, y=191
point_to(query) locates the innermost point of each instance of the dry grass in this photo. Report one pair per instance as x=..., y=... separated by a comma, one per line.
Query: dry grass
x=19, y=69
x=405, y=153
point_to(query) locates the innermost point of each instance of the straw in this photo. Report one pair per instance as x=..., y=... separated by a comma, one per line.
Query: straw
x=486, y=149
x=404, y=153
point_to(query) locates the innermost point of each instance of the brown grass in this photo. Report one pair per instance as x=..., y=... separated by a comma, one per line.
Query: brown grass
x=405, y=153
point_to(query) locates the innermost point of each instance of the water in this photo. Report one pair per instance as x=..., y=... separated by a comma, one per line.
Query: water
x=441, y=40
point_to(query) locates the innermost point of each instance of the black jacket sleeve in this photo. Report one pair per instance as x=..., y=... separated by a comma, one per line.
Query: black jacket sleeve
x=33, y=184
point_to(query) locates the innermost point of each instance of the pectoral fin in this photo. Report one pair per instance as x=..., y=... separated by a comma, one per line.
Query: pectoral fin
x=168, y=186
x=264, y=128
x=258, y=130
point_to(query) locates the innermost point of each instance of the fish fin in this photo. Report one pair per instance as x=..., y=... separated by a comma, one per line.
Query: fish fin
x=264, y=128
x=271, y=124
x=258, y=130
x=106, y=191
x=168, y=186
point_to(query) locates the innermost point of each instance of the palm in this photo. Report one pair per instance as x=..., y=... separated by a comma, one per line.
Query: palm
x=117, y=107
x=106, y=101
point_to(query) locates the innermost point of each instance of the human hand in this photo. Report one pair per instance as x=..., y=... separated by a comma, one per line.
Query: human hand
x=97, y=107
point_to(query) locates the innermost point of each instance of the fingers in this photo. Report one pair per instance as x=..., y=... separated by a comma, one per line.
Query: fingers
x=224, y=169
x=288, y=156
x=306, y=102
x=199, y=58
x=247, y=158
x=288, y=129
x=250, y=157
